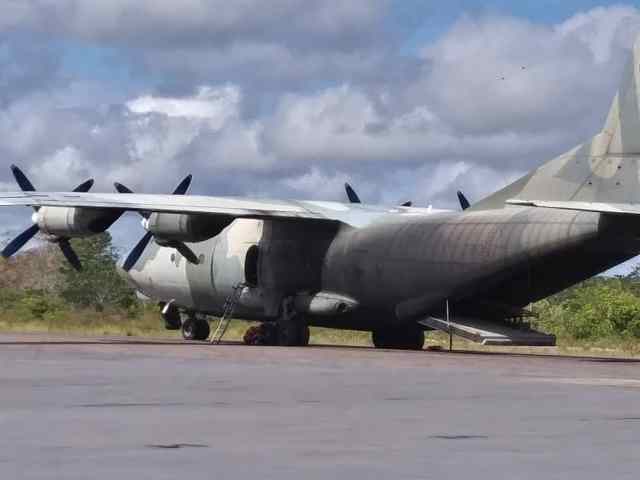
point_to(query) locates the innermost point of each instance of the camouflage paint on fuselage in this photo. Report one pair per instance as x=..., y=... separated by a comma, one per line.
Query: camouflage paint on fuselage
x=398, y=268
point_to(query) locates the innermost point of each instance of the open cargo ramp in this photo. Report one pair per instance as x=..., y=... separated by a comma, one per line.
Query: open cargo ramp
x=491, y=332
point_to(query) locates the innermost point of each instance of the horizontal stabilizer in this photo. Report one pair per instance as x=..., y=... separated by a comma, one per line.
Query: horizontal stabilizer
x=599, y=207
x=487, y=332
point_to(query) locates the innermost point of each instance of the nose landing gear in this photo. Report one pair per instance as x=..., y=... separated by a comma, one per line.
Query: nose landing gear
x=194, y=328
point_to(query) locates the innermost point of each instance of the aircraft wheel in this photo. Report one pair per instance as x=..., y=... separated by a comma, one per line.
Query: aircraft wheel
x=203, y=329
x=293, y=332
x=189, y=329
x=195, y=329
x=252, y=336
x=405, y=338
x=381, y=338
x=264, y=334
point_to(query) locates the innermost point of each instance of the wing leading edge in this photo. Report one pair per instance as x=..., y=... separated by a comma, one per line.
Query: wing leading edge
x=236, y=207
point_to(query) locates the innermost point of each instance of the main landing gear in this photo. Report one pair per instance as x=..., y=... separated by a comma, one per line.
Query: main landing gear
x=264, y=334
x=290, y=330
x=408, y=337
x=193, y=327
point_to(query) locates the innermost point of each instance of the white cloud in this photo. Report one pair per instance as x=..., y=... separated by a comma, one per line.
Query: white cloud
x=63, y=169
x=453, y=123
x=496, y=74
x=214, y=104
x=158, y=23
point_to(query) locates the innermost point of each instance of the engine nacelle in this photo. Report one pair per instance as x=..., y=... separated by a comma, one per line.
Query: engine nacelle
x=74, y=222
x=180, y=227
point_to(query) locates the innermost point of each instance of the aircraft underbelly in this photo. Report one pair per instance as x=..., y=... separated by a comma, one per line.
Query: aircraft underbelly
x=408, y=268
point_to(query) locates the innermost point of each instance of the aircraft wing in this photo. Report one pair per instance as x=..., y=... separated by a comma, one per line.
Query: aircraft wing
x=354, y=215
x=599, y=207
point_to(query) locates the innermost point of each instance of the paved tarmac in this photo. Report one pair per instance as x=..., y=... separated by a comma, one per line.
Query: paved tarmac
x=116, y=410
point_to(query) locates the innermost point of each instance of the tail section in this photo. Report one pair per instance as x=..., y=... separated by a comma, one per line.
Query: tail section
x=604, y=169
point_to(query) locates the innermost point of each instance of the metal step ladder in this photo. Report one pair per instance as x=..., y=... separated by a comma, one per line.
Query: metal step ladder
x=227, y=314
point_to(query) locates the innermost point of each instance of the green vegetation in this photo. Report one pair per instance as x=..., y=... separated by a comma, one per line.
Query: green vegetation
x=98, y=286
x=40, y=292
x=601, y=312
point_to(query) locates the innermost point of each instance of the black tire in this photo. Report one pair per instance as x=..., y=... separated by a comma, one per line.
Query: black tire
x=195, y=329
x=399, y=338
x=415, y=339
x=380, y=338
x=265, y=334
x=293, y=332
x=252, y=336
x=269, y=334
x=202, y=329
x=306, y=333
x=189, y=327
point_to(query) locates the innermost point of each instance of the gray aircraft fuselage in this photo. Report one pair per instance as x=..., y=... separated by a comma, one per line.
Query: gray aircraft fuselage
x=398, y=268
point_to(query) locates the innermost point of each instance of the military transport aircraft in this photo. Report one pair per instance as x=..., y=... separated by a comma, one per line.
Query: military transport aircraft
x=392, y=271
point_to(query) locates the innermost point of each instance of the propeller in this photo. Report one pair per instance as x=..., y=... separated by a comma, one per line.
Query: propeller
x=354, y=198
x=464, y=203
x=21, y=240
x=351, y=193
x=140, y=247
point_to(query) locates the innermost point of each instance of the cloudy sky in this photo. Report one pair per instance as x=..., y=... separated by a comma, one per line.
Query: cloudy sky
x=406, y=99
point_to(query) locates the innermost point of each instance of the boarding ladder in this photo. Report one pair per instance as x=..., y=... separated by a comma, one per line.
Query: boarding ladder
x=227, y=313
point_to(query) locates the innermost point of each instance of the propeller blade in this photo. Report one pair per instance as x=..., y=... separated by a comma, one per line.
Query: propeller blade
x=84, y=187
x=70, y=254
x=124, y=189
x=186, y=252
x=182, y=188
x=464, y=203
x=20, y=241
x=137, y=252
x=407, y=204
x=351, y=193
x=121, y=188
x=23, y=182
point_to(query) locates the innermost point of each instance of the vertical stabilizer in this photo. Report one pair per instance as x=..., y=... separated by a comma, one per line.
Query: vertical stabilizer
x=623, y=122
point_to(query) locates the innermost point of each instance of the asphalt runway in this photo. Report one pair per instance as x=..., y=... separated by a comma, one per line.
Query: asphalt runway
x=119, y=409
